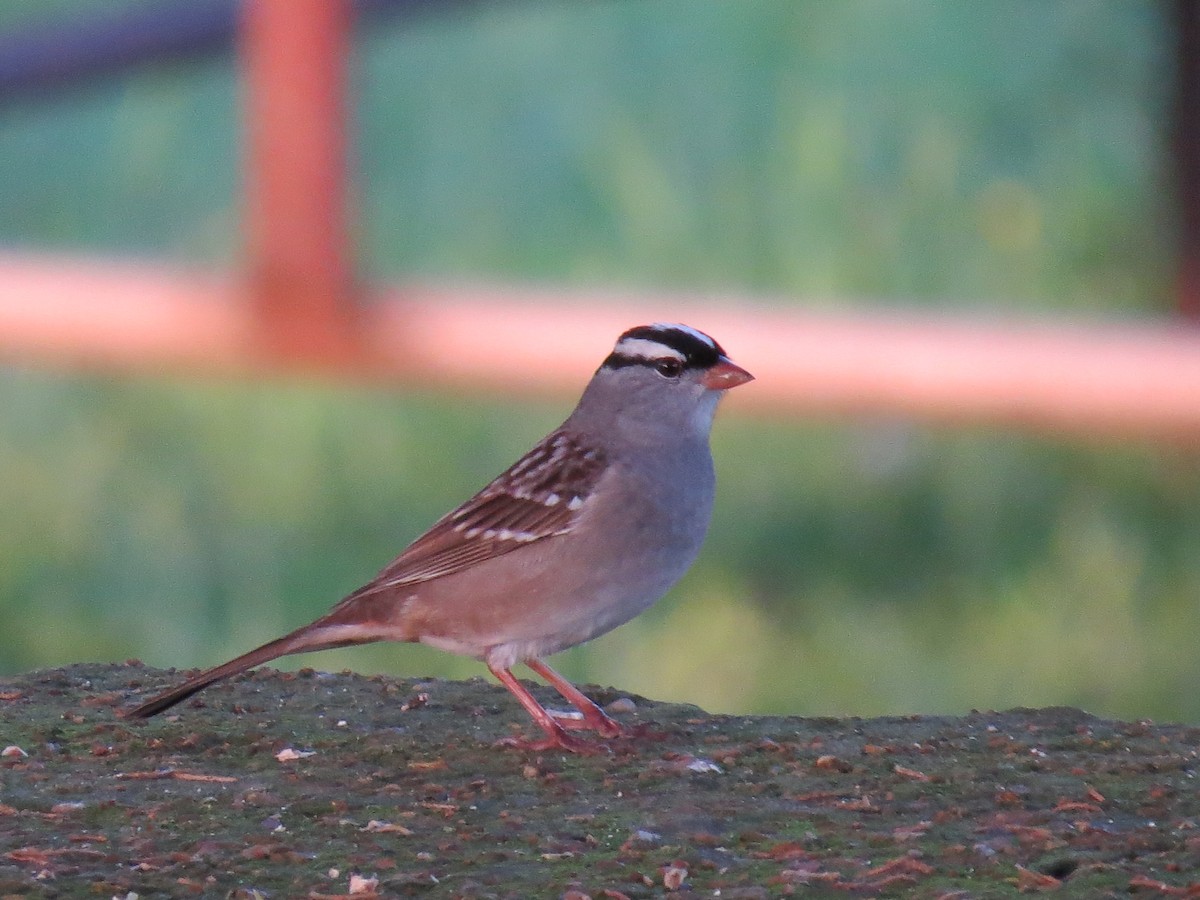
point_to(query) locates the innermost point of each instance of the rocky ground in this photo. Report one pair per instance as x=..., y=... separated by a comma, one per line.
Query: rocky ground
x=312, y=785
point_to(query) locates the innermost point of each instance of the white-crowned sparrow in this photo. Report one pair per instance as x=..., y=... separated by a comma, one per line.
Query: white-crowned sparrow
x=582, y=533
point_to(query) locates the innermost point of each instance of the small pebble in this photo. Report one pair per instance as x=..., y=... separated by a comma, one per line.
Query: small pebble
x=621, y=705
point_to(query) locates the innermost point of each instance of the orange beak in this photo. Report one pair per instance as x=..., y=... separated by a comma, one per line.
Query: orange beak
x=724, y=375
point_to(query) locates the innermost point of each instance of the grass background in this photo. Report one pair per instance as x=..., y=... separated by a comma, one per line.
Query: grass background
x=1007, y=158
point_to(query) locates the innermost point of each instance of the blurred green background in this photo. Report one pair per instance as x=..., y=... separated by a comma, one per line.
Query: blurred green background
x=1008, y=157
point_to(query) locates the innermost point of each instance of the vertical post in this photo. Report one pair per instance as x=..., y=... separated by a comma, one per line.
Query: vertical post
x=1186, y=155
x=294, y=55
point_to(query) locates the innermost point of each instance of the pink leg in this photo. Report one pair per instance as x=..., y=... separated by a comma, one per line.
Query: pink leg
x=556, y=736
x=593, y=716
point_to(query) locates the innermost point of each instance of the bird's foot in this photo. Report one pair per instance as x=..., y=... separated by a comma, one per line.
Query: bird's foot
x=599, y=723
x=555, y=739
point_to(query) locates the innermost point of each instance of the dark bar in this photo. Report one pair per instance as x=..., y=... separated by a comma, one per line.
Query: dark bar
x=53, y=54
x=1186, y=151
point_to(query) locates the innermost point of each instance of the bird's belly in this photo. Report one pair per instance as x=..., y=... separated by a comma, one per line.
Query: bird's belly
x=556, y=599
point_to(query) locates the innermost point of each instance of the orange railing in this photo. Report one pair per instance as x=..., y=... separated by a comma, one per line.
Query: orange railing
x=297, y=304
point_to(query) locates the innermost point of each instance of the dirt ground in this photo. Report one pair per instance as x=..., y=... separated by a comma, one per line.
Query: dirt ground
x=313, y=785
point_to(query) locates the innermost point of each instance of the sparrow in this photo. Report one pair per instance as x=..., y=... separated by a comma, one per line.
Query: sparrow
x=582, y=533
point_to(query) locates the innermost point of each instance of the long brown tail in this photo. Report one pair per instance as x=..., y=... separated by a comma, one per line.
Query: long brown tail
x=317, y=636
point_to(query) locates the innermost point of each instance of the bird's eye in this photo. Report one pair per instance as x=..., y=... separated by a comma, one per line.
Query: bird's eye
x=669, y=367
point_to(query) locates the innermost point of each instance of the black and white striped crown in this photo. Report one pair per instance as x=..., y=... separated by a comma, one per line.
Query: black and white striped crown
x=650, y=344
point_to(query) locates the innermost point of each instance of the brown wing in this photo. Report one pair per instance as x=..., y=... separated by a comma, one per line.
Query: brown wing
x=540, y=495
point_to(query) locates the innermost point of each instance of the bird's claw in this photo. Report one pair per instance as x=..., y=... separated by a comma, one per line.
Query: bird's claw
x=601, y=724
x=558, y=739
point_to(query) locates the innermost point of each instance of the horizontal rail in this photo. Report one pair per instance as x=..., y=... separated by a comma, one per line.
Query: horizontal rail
x=1131, y=379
